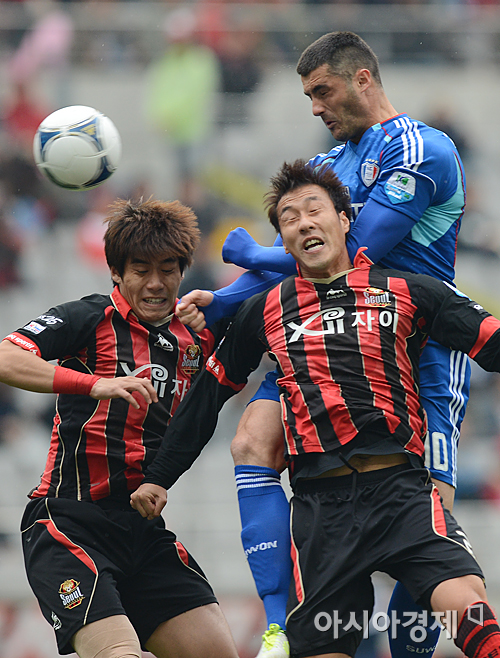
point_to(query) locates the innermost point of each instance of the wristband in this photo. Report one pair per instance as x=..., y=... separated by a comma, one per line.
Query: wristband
x=72, y=382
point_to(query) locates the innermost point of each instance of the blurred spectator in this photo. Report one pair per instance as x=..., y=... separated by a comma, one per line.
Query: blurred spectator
x=442, y=119
x=8, y=413
x=10, y=252
x=46, y=45
x=91, y=229
x=22, y=115
x=26, y=208
x=181, y=94
x=238, y=43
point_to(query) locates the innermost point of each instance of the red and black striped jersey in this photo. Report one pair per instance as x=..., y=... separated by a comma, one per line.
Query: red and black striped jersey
x=101, y=448
x=347, y=352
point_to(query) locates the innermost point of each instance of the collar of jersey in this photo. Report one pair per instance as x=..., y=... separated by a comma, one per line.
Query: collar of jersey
x=124, y=308
x=121, y=304
x=361, y=261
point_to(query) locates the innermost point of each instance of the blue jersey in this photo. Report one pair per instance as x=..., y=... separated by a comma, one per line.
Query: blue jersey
x=411, y=168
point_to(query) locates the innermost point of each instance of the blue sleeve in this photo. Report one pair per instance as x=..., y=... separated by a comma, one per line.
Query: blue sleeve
x=378, y=228
x=227, y=300
x=241, y=249
x=413, y=189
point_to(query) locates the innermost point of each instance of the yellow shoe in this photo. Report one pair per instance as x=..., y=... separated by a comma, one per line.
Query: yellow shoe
x=274, y=643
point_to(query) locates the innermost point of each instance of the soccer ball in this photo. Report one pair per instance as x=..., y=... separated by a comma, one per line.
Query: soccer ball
x=77, y=147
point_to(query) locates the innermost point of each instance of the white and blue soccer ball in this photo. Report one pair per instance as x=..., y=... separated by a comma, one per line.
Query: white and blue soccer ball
x=77, y=147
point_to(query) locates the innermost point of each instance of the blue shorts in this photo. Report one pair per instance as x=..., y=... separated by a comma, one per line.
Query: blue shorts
x=444, y=391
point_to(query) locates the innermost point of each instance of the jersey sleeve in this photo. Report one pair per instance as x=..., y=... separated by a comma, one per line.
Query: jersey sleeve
x=195, y=420
x=227, y=300
x=62, y=331
x=459, y=323
x=379, y=229
x=417, y=170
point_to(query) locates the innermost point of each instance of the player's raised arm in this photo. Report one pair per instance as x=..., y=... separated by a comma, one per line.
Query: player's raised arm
x=23, y=369
x=225, y=301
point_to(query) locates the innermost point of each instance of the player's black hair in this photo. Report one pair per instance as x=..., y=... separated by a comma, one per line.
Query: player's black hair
x=344, y=52
x=297, y=174
x=148, y=229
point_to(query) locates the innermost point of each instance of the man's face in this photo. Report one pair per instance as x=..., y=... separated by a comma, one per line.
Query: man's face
x=150, y=287
x=313, y=232
x=338, y=102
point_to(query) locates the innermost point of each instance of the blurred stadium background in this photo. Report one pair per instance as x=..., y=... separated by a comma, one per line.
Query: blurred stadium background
x=208, y=104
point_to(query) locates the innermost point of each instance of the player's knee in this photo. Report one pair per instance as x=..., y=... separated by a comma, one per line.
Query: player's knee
x=113, y=637
x=258, y=450
x=243, y=449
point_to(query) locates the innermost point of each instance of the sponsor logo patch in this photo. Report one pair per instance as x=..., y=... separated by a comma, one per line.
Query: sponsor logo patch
x=335, y=294
x=70, y=593
x=56, y=622
x=400, y=188
x=34, y=328
x=164, y=344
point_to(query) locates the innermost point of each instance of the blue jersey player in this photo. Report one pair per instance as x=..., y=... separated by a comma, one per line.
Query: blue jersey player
x=407, y=190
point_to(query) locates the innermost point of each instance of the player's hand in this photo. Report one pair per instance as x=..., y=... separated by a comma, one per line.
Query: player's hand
x=149, y=500
x=188, y=311
x=124, y=387
x=239, y=248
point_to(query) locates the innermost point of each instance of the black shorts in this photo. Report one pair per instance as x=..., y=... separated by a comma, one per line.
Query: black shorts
x=344, y=529
x=88, y=561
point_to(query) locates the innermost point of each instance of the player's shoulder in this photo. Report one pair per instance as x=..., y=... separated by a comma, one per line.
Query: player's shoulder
x=84, y=311
x=381, y=272
x=403, y=128
x=88, y=303
x=326, y=158
x=253, y=306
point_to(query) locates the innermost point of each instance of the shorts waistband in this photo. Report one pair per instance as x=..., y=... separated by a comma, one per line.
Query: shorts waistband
x=110, y=503
x=342, y=481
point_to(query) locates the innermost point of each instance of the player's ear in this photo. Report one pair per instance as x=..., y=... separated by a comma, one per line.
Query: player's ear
x=345, y=222
x=362, y=79
x=115, y=276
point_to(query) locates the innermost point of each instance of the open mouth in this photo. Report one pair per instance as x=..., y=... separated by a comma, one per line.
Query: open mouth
x=154, y=301
x=313, y=244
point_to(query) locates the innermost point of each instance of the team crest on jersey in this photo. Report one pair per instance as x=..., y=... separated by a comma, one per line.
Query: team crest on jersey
x=191, y=359
x=70, y=593
x=369, y=172
x=164, y=344
x=376, y=297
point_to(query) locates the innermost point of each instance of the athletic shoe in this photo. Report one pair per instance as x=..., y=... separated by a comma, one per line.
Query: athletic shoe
x=274, y=643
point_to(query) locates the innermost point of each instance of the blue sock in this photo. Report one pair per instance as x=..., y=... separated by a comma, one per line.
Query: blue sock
x=403, y=645
x=265, y=535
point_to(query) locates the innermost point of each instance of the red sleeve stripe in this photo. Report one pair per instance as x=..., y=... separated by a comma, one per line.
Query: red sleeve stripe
x=22, y=341
x=217, y=369
x=77, y=551
x=488, y=327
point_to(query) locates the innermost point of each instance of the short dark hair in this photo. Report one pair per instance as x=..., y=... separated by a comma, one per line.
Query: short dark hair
x=344, y=52
x=297, y=174
x=148, y=229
